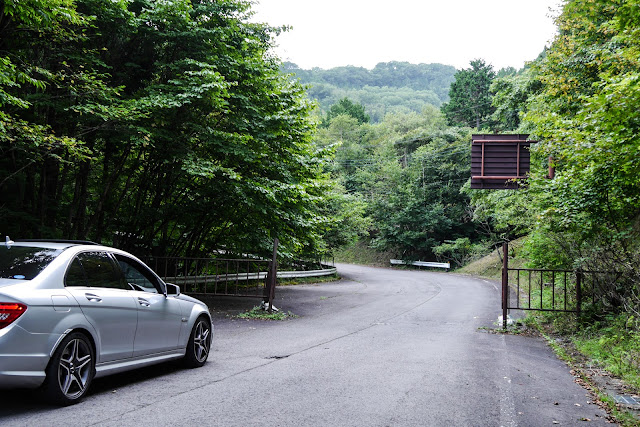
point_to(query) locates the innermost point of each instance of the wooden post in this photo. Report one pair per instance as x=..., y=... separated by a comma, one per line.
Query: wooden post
x=505, y=283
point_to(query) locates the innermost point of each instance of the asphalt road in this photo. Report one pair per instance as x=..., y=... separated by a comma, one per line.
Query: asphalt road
x=381, y=347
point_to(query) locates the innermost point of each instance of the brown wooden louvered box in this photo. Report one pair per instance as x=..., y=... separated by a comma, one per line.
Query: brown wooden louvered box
x=499, y=161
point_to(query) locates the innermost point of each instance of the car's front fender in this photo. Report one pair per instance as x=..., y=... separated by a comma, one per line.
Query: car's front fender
x=192, y=310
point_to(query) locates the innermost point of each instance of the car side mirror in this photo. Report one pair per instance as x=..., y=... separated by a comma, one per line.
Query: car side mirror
x=172, y=289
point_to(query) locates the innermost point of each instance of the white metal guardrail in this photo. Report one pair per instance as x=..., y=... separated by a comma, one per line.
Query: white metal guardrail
x=182, y=280
x=310, y=273
x=422, y=263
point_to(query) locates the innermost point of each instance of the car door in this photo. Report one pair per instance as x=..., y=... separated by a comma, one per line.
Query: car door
x=95, y=282
x=159, y=316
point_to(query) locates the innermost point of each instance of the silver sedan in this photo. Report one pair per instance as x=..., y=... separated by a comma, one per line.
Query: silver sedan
x=74, y=311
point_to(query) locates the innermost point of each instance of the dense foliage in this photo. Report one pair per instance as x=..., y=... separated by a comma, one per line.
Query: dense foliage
x=404, y=176
x=347, y=107
x=157, y=126
x=588, y=117
x=410, y=170
x=390, y=87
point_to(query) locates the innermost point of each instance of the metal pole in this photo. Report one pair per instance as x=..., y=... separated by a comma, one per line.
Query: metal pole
x=505, y=283
x=578, y=294
x=267, y=285
x=270, y=282
x=274, y=274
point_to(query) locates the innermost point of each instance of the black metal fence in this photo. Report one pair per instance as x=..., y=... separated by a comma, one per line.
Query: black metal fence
x=249, y=277
x=538, y=289
x=545, y=290
x=214, y=276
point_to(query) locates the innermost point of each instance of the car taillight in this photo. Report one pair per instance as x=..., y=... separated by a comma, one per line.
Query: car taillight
x=9, y=312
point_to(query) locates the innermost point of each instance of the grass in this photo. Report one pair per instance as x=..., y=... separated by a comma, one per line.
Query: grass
x=360, y=253
x=490, y=266
x=567, y=354
x=257, y=313
x=516, y=328
x=613, y=344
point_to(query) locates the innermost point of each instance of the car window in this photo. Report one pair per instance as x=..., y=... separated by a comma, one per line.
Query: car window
x=98, y=269
x=24, y=263
x=137, y=275
x=75, y=274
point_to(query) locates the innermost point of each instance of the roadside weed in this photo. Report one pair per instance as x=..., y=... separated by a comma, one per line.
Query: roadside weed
x=257, y=313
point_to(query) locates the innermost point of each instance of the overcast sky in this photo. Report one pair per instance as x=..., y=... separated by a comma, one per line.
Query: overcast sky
x=331, y=33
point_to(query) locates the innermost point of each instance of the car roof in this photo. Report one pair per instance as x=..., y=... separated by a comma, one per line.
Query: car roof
x=50, y=243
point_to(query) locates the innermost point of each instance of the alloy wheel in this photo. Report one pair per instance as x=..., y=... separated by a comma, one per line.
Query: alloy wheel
x=74, y=369
x=201, y=341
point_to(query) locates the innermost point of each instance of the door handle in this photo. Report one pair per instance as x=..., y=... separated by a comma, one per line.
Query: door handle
x=93, y=297
x=143, y=302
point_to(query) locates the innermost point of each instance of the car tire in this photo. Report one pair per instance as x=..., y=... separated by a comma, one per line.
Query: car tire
x=199, y=343
x=70, y=370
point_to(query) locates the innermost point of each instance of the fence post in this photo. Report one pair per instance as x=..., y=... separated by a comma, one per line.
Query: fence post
x=578, y=294
x=505, y=283
x=266, y=294
x=270, y=289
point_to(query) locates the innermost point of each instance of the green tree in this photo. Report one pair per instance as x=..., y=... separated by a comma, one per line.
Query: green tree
x=36, y=22
x=470, y=96
x=511, y=94
x=347, y=218
x=423, y=205
x=190, y=137
x=347, y=107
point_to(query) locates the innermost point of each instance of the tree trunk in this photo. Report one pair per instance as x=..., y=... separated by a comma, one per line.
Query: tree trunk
x=78, y=208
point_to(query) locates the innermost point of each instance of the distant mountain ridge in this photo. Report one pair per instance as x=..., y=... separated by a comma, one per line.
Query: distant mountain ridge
x=388, y=87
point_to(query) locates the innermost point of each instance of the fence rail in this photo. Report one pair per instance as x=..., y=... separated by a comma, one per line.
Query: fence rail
x=195, y=280
x=253, y=278
x=546, y=290
x=550, y=290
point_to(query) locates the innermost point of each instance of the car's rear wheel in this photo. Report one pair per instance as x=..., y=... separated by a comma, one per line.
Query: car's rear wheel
x=70, y=370
x=199, y=343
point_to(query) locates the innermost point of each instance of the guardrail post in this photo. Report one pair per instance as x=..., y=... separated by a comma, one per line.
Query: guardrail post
x=505, y=283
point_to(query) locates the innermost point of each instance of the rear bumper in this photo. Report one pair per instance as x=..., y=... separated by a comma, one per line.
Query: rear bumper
x=21, y=379
x=23, y=357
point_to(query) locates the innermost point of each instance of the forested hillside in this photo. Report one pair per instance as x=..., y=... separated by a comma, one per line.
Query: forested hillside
x=390, y=87
x=404, y=179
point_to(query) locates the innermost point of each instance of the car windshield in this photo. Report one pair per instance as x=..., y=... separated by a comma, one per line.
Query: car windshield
x=24, y=263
